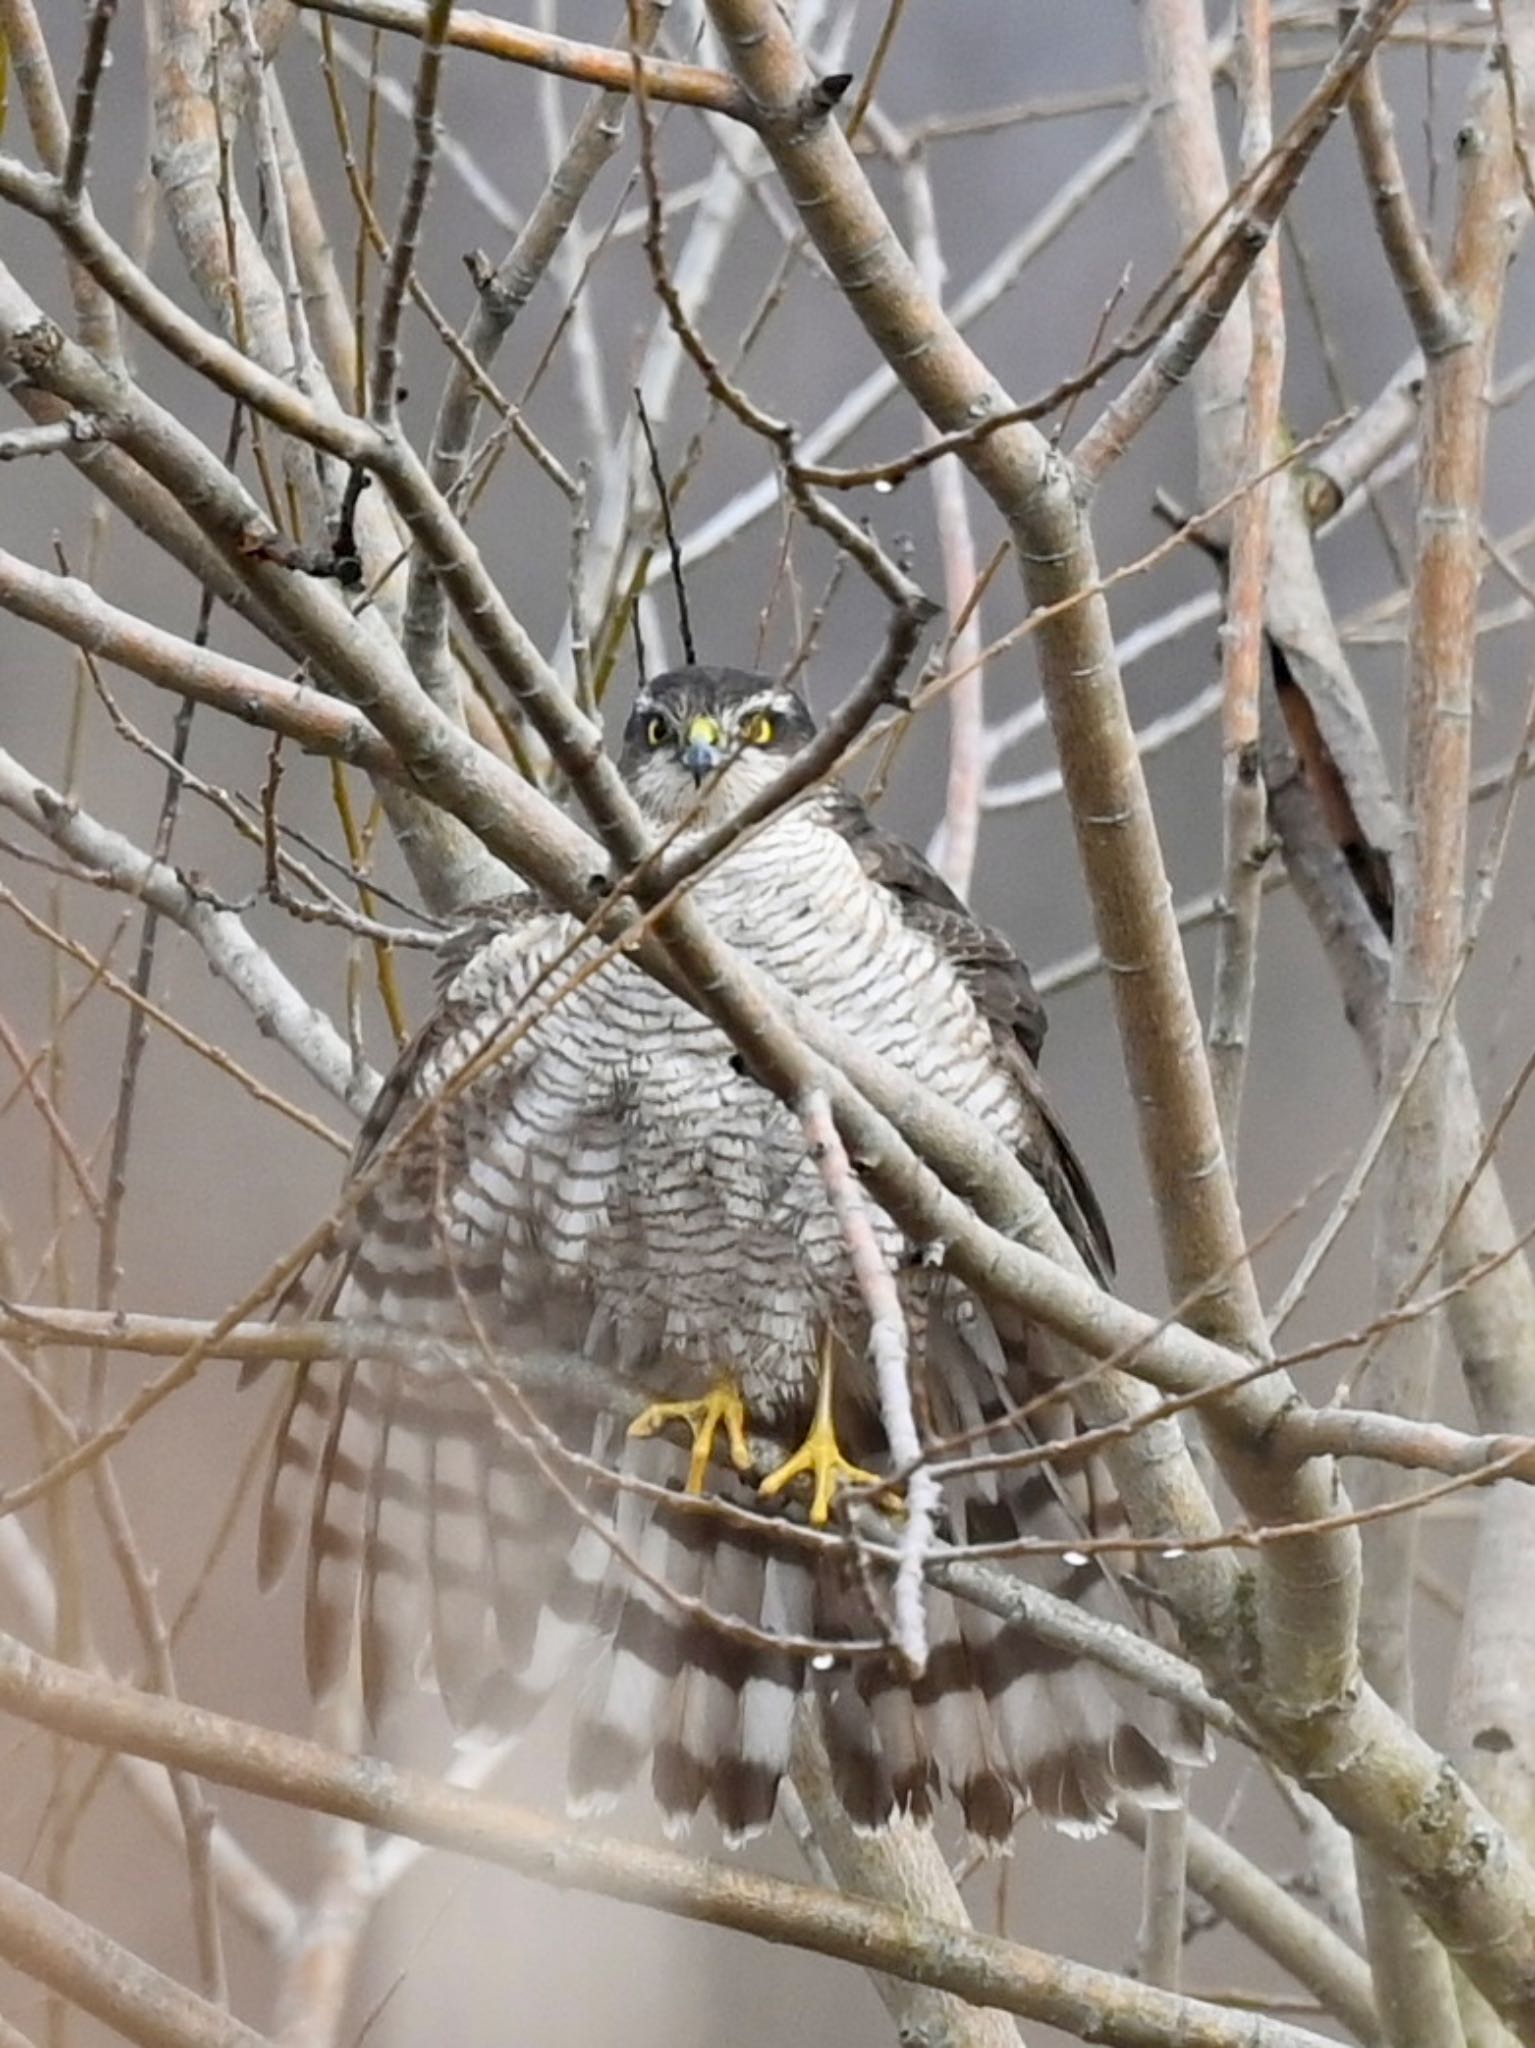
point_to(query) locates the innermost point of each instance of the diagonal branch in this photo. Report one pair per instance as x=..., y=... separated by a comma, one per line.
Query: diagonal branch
x=1436, y=318
x=69, y=608
x=84, y=1966
x=227, y=945
x=1259, y=207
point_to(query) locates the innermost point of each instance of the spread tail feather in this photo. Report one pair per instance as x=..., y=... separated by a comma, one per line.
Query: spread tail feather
x=432, y=1523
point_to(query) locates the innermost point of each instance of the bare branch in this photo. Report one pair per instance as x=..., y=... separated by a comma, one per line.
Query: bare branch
x=215, y=1056
x=978, y=297
x=1258, y=206
x=688, y=85
x=960, y=830
x=1276, y=1923
x=106, y=1980
x=70, y=608
x=889, y=1350
x=501, y=295
x=897, y=1865
x=978, y=1968
x=38, y=90
x=402, y=252
x=1244, y=819
x=1436, y=318
x=1413, y=1981
x=70, y=432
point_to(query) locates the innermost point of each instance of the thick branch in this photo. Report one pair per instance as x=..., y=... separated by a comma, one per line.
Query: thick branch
x=1412, y=1977
x=71, y=609
x=976, y=1967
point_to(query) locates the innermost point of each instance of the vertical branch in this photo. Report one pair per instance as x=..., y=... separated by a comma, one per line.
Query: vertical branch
x=1237, y=410
x=324, y=294
x=322, y=1956
x=268, y=157
x=1188, y=145
x=1430, y=304
x=83, y=121
x=1492, y=1317
x=1412, y=1974
x=1304, y=1611
x=62, y=1511
x=38, y=90
x=234, y=278
x=1164, y=1893
x=192, y=1808
x=901, y=1865
x=960, y=832
x=195, y=1814
x=621, y=484
x=890, y=1355
x=1236, y=386
x=1491, y=1733
x=401, y=265
x=1245, y=822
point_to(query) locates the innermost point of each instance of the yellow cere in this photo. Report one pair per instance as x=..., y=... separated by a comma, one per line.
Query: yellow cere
x=704, y=731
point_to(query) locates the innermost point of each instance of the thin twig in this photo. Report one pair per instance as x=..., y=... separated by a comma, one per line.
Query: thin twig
x=93, y=64
x=228, y=947
x=889, y=1351
x=385, y=377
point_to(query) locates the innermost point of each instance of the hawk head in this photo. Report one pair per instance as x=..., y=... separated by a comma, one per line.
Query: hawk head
x=701, y=742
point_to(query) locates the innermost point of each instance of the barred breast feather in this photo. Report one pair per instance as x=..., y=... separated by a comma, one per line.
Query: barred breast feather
x=570, y=1160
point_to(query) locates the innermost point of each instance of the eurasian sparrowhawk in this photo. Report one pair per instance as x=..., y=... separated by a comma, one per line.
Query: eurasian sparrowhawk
x=570, y=1158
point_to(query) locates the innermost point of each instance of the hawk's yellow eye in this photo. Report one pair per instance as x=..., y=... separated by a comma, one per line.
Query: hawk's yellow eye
x=759, y=730
x=655, y=731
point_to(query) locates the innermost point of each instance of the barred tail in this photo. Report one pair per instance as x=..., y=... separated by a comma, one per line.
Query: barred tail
x=433, y=1524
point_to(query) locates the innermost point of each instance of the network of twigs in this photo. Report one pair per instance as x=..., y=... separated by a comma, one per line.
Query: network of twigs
x=347, y=551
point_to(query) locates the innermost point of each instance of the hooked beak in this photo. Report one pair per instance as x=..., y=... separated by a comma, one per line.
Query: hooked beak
x=702, y=754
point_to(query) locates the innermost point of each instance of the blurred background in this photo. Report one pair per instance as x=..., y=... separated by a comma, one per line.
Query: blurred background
x=218, y=1186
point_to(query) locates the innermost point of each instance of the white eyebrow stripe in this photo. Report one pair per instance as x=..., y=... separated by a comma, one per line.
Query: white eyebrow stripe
x=782, y=701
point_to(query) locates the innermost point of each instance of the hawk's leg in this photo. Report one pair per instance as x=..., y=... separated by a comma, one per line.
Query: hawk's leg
x=721, y=1407
x=820, y=1454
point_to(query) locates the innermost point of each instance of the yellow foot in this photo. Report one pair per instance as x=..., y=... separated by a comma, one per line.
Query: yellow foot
x=722, y=1405
x=821, y=1456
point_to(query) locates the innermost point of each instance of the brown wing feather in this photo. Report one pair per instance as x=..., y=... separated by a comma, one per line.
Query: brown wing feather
x=1001, y=988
